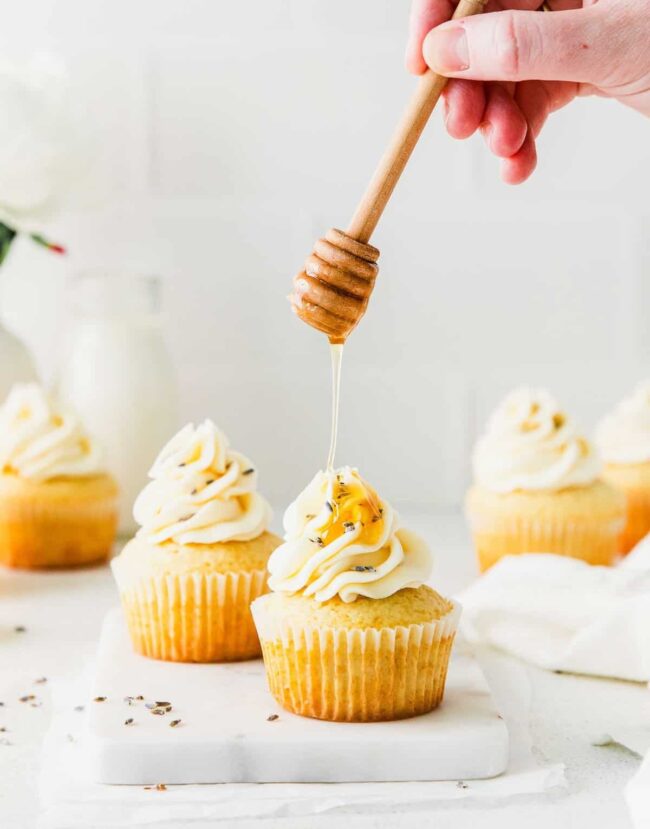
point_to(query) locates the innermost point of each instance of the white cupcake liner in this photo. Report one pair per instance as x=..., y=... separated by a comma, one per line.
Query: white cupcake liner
x=193, y=617
x=356, y=674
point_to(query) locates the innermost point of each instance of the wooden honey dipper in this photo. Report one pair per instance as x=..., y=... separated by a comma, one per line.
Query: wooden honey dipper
x=331, y=293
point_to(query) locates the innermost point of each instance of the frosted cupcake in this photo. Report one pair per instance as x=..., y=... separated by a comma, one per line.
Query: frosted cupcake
x=350, y=632
x=537, y=488
x=58, y=506
x=199, y=559
x=623, y=439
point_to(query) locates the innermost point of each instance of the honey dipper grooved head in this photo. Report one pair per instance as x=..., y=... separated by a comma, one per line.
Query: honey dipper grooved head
x=332, y=292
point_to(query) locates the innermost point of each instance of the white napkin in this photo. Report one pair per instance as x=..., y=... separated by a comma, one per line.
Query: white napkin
x=69, y=800
x=565, y=615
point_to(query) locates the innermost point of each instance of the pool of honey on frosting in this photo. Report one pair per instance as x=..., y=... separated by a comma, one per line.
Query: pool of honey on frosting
x=353, y=502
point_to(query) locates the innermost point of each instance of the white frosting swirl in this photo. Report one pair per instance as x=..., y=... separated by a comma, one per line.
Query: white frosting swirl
x=624, y=435
x=531, y=444
x=341, y=538
x=39, y=440
x=201, y=492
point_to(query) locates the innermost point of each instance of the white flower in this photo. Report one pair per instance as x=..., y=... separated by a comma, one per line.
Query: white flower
x=39, y=142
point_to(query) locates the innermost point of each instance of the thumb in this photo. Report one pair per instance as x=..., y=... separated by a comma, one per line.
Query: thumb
x=521, y=45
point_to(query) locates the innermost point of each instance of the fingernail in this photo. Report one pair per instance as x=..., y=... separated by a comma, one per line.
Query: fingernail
x=445, y=49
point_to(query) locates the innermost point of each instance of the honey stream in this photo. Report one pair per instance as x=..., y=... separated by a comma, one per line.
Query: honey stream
x=336, y=354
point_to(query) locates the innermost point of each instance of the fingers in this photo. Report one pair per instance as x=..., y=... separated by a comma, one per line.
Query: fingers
x=517, y=168
x=520, y=45
x=536, y=100
x=509, y=116
x=533, y=104
x=470, y=105
x=464, y=103
x=504, y=127
x=425, y=15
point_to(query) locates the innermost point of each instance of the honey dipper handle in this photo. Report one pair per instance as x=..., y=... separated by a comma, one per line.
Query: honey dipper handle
x=405, y=138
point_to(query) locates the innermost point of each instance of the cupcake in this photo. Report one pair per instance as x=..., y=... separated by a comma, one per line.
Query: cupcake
x=350, y=632
x=537, y=488
x=199, y=559
x=58, y=506
x=623, y=439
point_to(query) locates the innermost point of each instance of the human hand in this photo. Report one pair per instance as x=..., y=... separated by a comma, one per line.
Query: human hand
x=513, y=66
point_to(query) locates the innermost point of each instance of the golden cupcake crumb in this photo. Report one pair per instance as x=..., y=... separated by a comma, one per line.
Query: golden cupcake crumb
x=406, y=607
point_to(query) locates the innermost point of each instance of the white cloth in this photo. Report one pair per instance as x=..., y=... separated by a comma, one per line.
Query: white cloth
x=565, y=615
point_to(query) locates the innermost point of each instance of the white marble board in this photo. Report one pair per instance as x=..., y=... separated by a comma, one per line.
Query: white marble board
x=225, y=735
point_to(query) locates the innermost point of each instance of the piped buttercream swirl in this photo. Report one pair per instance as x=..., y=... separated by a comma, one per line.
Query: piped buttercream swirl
x=341, y=538
x=623, y=437
x=201, y=492
x=39, y=440
x=531, y=444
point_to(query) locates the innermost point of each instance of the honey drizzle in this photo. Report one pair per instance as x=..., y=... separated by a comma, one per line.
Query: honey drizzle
x=336, y=354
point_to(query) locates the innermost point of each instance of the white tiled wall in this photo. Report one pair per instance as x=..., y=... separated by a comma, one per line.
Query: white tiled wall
x=232, y=134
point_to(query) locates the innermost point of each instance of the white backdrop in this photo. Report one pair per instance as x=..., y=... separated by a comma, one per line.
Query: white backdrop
x=232, y=134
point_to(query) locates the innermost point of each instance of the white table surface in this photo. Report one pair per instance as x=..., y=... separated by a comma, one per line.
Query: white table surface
x=62, y=614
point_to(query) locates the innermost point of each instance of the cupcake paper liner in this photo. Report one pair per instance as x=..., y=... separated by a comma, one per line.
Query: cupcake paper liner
x=596, y=542
x=356, y=675
x=38, y=533
x=194, y=617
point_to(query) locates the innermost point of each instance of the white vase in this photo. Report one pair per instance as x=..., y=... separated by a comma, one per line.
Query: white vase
x=118, y=377
x=16, y=364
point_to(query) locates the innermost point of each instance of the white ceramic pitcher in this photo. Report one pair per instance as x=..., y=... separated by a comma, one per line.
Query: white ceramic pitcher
x=118, y=375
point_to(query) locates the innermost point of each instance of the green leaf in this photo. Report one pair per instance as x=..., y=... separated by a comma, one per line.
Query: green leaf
x=7, y=235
